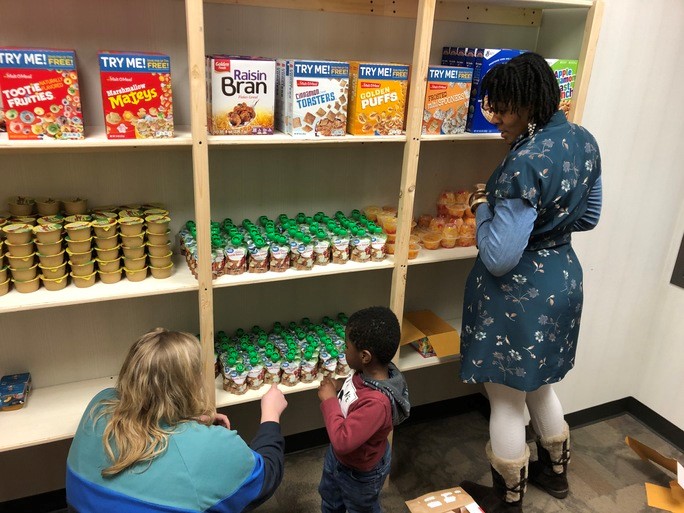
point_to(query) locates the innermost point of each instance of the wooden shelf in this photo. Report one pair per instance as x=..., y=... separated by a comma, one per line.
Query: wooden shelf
x=51, y=414
x=181, y=280
x=280, y=138
x=96, y=140
x=224, y=398
x=410, y=359
x=461, y=137
x=428, y=256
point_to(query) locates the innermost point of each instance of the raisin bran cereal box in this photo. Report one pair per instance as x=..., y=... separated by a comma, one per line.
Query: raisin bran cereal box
x=136, y=95
x=566, y=72
x=240, y=95
x=314, y=97
x=40, y=94
x=478, y=119
x=447, y=96
x=377, y=98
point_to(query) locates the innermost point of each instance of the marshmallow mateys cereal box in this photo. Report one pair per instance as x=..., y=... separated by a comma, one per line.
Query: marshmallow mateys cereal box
x=40, y=94
x=240, y=95
x=136, y=95
x=446, y=100
x=314, y=97
x=377, y=98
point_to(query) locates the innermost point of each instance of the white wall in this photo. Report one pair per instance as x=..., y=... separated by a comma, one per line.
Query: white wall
x=632, y=339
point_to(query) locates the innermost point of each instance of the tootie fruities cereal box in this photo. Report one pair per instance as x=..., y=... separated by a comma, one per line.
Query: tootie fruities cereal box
x=377, y=98
x=136, y=95
x=446, y=100
x=566, y=72
x=314, y=97
x=40, y=94
x=240, y=95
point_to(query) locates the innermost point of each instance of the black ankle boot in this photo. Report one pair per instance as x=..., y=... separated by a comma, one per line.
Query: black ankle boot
x=550, y=471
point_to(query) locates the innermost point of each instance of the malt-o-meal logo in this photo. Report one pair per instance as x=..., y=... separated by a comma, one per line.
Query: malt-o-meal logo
x=437, y=87
x=307, y=83
x=370, y=85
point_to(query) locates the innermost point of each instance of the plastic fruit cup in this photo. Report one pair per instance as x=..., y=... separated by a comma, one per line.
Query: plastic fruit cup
x=456, y=209
x=135, y=252
x=156, y=212
x=75, y=218
x=392, y=238
x=83, y=269
x=131, y=225
x=79, y=246
x=56, y=219
x=424, y=220
x=21, y=262
x=161, y=261
x=84, y=281
x=18, y=233
x=54, y=284
x=80, y=258
x=51, y=249
x=4, y=286
x=466, y=241
x=109, y=242
x=80, y=230
x=25, y=274
x=51, y=260
x=20, y=250
x=431, y=240
x=414, y=239
x=136, y=275
x=390, y=248
x=449, y=242
x=3, y=273
x=158, y=249
x=109, y=266
x=413, y=251
x=48, y=206
x=134, y=264
x=108, y=254
x=157, y=223
x=468, y=213
x=390, y=225
x=48, y=233
x=104, y=227
x=27, y=286
x=20, y=206
x=372, y=212
x=133, y=241
x=158, y=238
x=161, y=273
x=75, y=206
x=54, y=272
x=104, y=214
x=110, y=277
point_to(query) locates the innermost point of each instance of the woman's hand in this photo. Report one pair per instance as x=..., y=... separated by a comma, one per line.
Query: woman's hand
x=273, y=404
x=326, y=390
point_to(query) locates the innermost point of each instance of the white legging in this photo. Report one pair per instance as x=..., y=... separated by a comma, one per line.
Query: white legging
x=507, y=421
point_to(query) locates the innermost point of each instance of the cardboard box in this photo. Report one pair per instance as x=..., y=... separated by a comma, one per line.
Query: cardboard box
x=40, y=94
x=450, y=500
x=669, y=499
x=14, y=391
x=429, y=334
x=566, y=72
x=447, y=96
x=136, y=95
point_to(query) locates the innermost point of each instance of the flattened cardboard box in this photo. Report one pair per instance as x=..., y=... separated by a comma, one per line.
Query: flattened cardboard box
x=450, y=500
x=668, y=499
x=429, y=334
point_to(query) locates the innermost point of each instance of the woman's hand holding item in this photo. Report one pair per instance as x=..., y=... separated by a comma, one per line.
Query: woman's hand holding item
x=273, y=403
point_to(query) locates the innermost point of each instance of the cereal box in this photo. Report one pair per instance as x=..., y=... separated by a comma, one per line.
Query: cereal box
x=314, y=97
x=478, y=121
x=241, y=95
x=40, y=93
x=446, y=100
x=377, y=98
x=565, y=71
x=136, y=95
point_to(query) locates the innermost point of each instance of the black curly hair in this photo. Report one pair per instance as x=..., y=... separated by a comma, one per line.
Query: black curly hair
x=526, y=81
x=375, y=329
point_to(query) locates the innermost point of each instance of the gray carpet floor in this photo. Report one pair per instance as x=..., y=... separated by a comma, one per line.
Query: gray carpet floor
x=605, y=475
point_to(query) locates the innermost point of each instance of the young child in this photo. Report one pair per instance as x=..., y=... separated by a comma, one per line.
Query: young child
x=360, y=417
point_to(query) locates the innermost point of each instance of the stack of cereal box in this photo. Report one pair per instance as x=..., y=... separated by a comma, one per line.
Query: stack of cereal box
x=377, y=98
x=240, y=95
x=40, y=94
x=136, y=95
x=446, y=100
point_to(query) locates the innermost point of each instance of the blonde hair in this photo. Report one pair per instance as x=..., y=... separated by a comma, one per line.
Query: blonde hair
x=159, y=387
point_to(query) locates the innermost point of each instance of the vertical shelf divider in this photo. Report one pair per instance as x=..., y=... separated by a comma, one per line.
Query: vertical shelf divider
x=194, y=10
x=592, y=28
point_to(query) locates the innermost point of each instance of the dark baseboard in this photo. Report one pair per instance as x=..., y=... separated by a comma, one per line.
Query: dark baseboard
x=655, y=422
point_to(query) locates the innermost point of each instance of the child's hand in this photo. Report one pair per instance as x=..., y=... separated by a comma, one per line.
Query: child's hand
x=326, y=390
x=273, y=403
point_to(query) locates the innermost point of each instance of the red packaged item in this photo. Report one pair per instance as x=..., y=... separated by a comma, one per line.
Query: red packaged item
x=136, y=95
x=40, y=94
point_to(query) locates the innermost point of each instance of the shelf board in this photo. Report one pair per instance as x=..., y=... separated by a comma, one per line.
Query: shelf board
x=224, y=398
x=182, y=280
x=96, y=140
x=410, y=359
x=428, y=256
x=292, y=274
x=280, y=138
x=461, y=137
x=528, y=4
x=51, y=414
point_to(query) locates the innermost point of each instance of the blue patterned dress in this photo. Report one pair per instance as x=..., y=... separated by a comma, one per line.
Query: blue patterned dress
x=520, y=329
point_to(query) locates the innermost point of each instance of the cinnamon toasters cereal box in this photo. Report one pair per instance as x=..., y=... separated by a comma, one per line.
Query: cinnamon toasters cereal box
x=240, y=95
x=377, y=98
x=313, y=97
x=40, y=94
x=136, y=95
x=446, y=100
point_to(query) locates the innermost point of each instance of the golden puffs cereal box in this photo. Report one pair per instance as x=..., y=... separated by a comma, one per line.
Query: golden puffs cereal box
x=447, y=96
x=377, y=99
x=136, y=95
x=314, y=97
x=240, y=95
x=40, y=94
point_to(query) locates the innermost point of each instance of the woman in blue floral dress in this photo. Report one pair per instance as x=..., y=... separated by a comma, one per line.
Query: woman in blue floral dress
x=523, y=298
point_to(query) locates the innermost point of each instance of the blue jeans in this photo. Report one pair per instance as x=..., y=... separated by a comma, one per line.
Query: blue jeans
x=345, y=489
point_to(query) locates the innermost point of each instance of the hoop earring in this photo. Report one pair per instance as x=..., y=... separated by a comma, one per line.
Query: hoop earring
x=530, y=128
